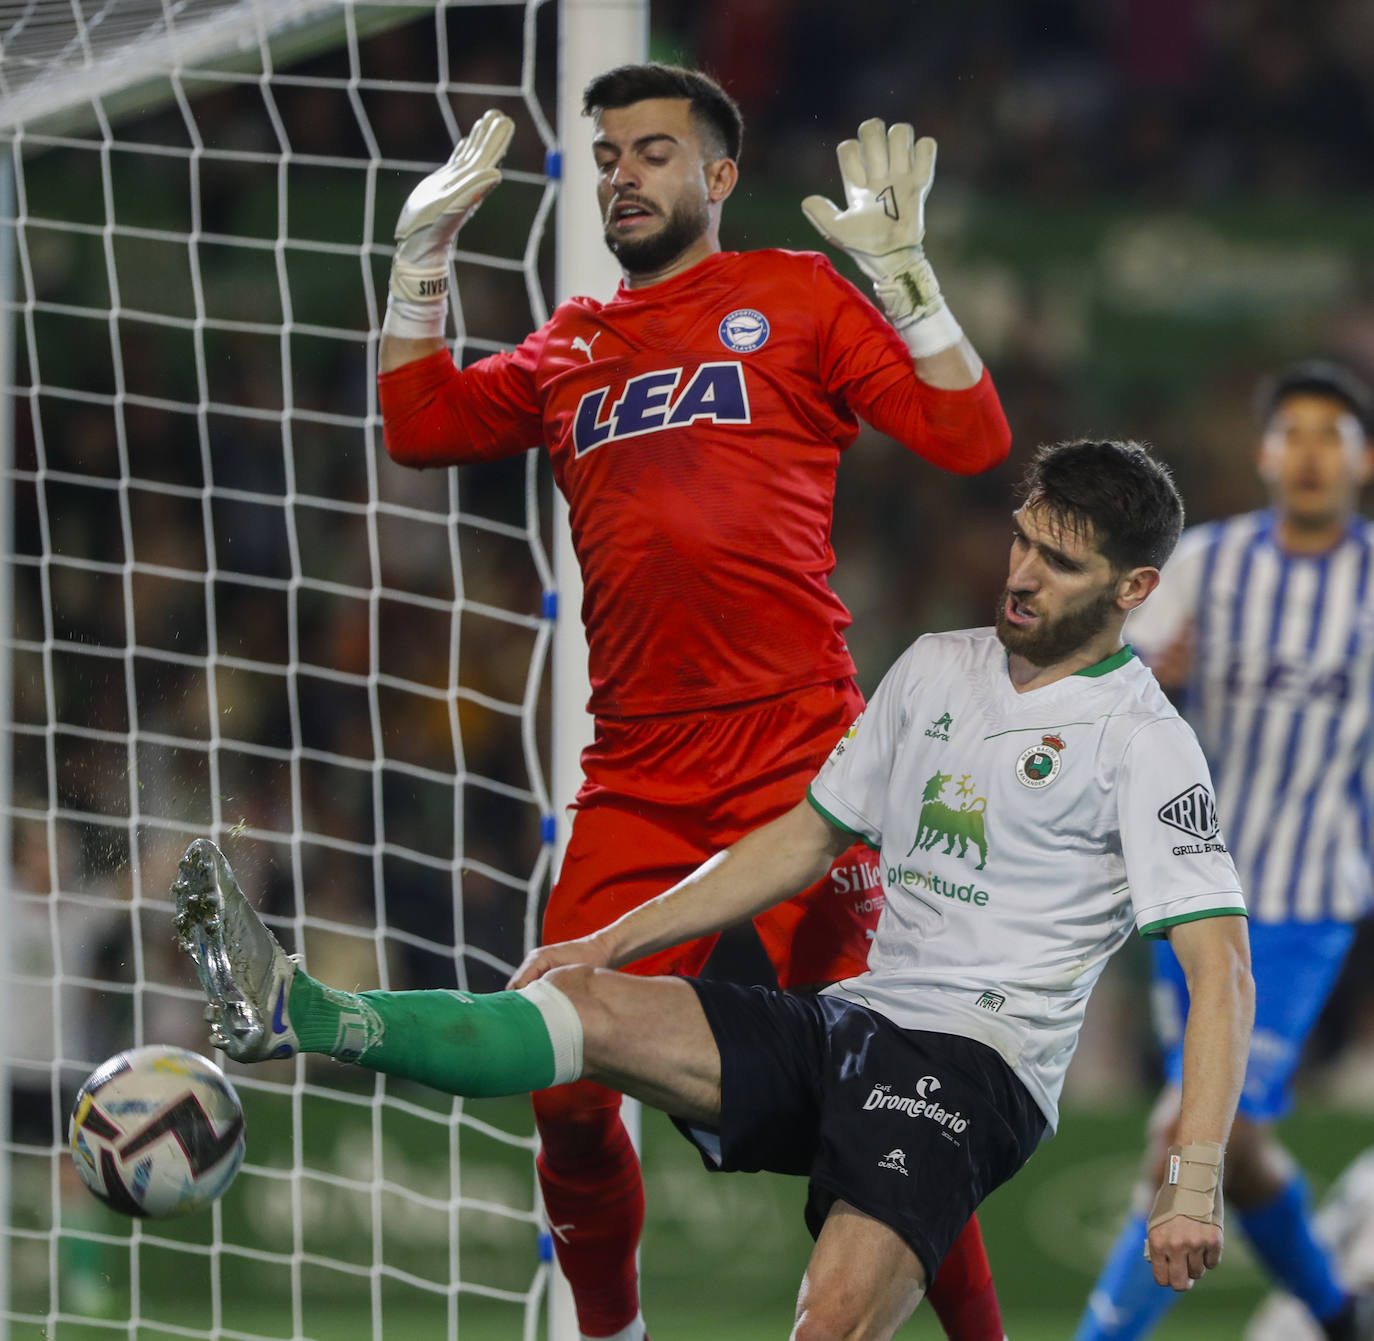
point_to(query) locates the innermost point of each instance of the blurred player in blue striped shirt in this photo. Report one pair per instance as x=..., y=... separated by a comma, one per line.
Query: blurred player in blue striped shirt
x=1263, y=624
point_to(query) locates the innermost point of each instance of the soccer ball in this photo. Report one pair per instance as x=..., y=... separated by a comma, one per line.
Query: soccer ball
x=157, y=1131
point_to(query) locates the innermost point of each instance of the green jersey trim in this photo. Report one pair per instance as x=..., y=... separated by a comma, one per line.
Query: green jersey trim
x=1108, y=664
x=1155, y=930
x=839, y=824
x=1035, y=730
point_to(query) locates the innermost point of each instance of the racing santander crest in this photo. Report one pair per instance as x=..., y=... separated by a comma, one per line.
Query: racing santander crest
x=1038, y=765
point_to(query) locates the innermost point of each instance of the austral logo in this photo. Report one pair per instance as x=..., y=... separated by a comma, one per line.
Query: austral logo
x=744, y=331
x=896, y=1161
x=652, y=402
x=1193, y=812
x=1039, y=765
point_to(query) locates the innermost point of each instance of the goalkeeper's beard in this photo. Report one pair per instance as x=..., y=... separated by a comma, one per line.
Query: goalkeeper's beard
x=687, y=221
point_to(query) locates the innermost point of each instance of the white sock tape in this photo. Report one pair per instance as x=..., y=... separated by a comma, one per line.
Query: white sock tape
x=564, y=1025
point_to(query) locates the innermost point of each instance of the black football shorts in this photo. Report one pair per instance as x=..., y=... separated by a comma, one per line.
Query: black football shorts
x=910, y=1127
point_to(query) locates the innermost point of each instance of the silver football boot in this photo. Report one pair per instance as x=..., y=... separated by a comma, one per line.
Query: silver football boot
x=246, y=974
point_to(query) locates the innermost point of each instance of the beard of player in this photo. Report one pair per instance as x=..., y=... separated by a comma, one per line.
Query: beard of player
x=685, y=223
x=1053, y=640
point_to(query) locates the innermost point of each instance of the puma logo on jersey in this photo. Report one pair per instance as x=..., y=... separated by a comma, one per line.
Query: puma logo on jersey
x=585, y=346
x=652, y=402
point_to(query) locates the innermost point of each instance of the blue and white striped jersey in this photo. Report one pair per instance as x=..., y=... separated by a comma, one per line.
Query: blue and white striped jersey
x=1281, y=696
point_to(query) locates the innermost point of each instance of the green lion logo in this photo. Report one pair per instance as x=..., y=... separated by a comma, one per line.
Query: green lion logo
x=962, y=826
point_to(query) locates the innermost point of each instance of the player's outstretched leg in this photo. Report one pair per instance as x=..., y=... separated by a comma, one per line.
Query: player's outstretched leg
x=244, y=971
x=262, y=1005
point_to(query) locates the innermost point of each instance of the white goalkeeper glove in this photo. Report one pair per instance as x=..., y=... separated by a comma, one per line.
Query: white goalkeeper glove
x=430, y=219
x=887, y=175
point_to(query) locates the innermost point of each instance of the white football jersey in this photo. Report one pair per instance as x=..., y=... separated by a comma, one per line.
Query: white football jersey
x=1020, y=836
x=1281, y=695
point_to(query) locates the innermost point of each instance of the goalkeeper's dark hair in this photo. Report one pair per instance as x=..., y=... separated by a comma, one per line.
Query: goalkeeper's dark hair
x=713, y=109
x=1317, y=377
x=1116, y=493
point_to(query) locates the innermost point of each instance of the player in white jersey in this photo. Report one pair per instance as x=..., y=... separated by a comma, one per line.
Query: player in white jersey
x=1032, y=795
x=1008, y=820
x=1264, y=625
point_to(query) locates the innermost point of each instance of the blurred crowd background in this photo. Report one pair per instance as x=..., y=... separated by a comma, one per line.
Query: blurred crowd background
x=1141, y=207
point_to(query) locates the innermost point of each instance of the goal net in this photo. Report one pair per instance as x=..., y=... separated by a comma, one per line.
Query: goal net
x=228, y=613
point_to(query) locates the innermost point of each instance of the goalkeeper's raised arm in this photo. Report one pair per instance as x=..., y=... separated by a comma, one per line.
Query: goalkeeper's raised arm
x=887, y=174
x=435, y=210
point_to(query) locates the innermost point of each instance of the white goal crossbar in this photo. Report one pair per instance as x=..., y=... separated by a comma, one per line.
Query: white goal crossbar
x=53, y=52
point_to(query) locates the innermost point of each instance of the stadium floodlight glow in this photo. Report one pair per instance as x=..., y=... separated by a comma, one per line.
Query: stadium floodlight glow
x=232, y=615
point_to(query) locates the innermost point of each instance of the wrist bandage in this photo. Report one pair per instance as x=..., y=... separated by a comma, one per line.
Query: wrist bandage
x=1192, y=1186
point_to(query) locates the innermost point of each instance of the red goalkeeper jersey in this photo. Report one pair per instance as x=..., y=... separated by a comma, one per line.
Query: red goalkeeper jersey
x=694, y=427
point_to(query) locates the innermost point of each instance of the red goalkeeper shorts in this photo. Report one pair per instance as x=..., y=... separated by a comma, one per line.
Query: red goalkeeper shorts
x=663, y=794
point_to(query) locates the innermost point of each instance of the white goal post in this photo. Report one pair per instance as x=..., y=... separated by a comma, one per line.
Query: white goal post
x=226, y=612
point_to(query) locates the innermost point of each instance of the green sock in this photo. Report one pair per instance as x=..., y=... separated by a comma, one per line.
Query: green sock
x=478, y=1046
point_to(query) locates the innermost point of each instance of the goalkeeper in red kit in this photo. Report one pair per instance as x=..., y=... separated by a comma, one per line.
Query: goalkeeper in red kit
x=695, y=423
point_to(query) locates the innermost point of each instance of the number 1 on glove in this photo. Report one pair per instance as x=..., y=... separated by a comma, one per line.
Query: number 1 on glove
x=887, y=174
